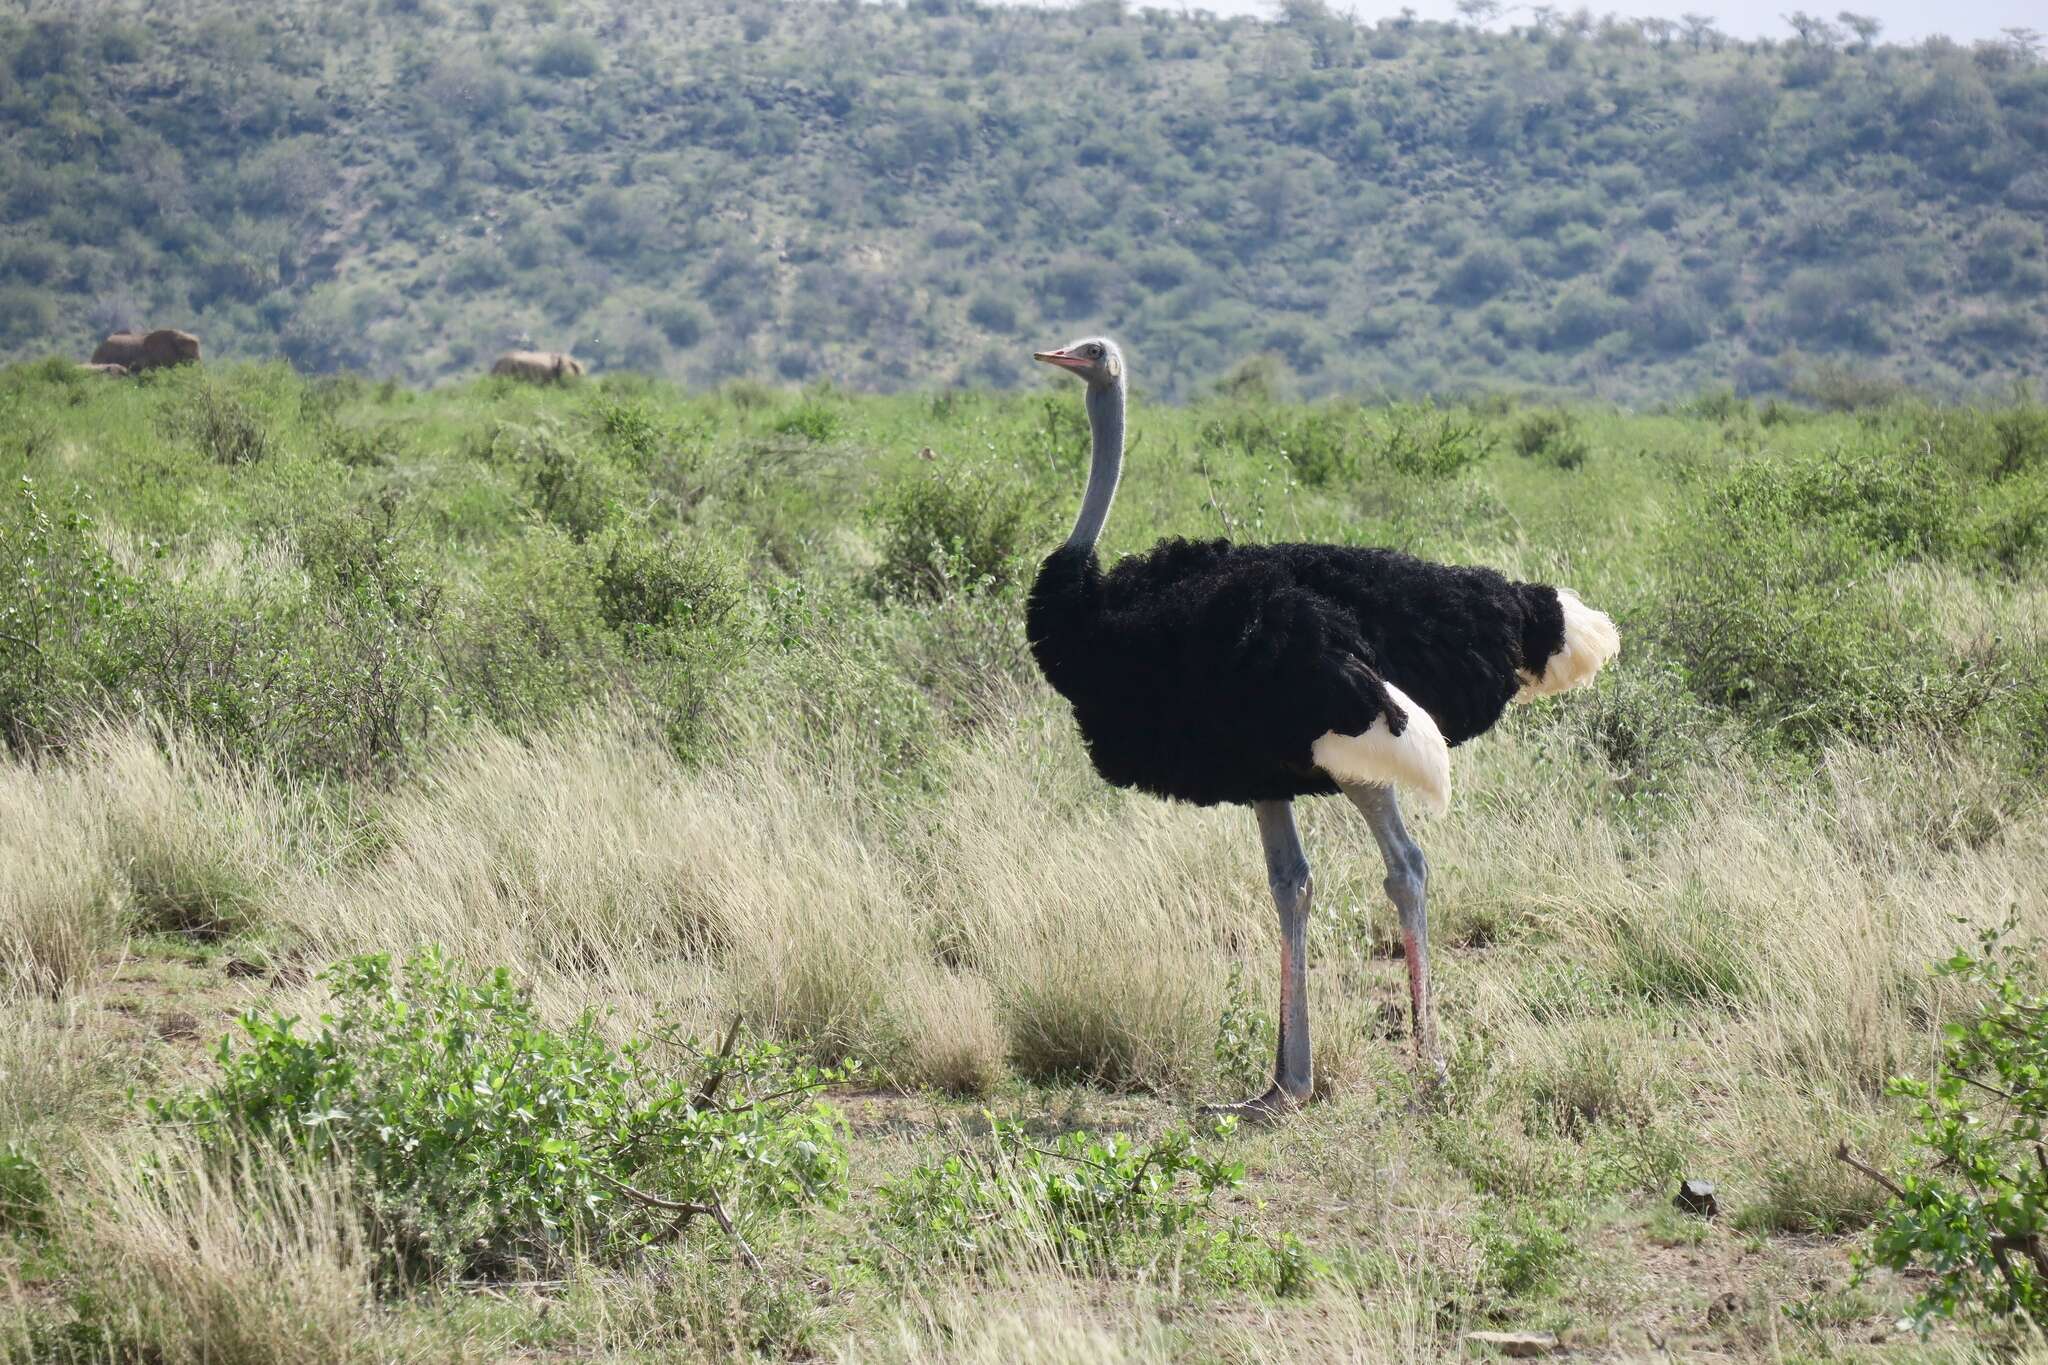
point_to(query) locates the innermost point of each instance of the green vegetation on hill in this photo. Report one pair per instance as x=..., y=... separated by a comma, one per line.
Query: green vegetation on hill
x=893, y=197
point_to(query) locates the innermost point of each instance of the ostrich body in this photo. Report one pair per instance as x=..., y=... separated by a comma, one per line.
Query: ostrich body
x=1208, y=672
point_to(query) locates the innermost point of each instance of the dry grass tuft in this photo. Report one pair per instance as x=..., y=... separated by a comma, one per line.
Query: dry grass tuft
x=62, y=899
x=191, y=1261
x=198, y=842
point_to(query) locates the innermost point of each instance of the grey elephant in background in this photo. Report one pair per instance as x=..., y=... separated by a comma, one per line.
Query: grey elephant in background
x=538, y=367
x=137, y=351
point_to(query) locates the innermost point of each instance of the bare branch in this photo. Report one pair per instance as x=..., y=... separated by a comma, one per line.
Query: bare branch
x=1848, y=1158
x=1986, y=1086
x=687, y=1210
x=718, y=1069
x=1077, y=1160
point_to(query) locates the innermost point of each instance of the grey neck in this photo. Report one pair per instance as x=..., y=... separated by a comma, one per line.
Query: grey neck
x=1106, y=425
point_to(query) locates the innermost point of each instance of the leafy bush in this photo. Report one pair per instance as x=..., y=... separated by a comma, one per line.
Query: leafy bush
x=1776, y=607
x=1428, y=441
x=646, y=585
x=1086, y=1201
x=993, y=313
x=1479, y=275
x=812, y=420
x=628, y=432
x=566, y=484
x=682, y=323
x=481, y=1139
x=1524, y=1249
x=221, y=425
x=1971, y=1214
x=1320, y=443
x=571, y=56
x=2009, y=527
x=63, y=616
x=1552, y=437
x=24, y=1191
x=948, y=532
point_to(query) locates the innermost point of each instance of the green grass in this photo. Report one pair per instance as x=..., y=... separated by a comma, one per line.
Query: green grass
x=687, y=706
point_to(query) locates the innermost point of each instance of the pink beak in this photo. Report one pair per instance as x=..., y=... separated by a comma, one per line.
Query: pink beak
x=1062, y=359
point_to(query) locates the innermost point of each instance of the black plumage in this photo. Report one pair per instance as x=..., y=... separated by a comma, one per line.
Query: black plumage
x=1204, y=671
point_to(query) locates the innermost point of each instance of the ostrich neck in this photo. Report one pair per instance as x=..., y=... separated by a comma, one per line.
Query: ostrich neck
x=1106, y=426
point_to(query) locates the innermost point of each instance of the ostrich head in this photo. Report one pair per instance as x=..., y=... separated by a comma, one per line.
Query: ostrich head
x=1095, y=359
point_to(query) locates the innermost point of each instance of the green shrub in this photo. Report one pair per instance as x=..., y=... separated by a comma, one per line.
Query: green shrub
x=2009, y=526
x=1480, y=274
x=1775, y=604
x=571, y=56
x=646, y=585
x=812, y=420
x=1084, y=1200
x=1970, y=1215
x=1895, y=501
x=992, y=313
x=24, y=1192
x=682, y=323
x=566, y=484
x=1553, y=438
x=26, y=315
x=1319, y=443
x=628, y=431
x=2021, y=432
x=219, y=424
x=951, y=532
x=1524, y=1250
x=482, y=1140
x=65, y=617
x=1432, y=443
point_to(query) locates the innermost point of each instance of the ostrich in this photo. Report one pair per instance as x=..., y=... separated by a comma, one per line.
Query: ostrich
x=1209, y=672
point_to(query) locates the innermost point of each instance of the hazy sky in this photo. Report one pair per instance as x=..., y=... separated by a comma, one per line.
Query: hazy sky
x=1905, y=21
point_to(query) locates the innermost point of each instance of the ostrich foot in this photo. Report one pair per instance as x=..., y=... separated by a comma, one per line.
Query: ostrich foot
x=1266, y=1110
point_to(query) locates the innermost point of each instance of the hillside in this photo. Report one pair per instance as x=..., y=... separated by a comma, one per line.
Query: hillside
x=886, y=197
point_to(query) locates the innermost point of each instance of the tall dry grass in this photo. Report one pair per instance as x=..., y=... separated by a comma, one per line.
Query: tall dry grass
x=62, y=898
x=1029, y=921
x=182, y=1259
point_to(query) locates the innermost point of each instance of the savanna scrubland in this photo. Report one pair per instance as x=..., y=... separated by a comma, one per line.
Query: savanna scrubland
x=692, y=708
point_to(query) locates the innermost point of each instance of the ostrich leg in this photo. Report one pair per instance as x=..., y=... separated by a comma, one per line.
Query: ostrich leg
x=1407, y=877
x=1287, y=873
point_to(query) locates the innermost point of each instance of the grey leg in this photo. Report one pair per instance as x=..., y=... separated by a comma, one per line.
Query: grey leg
x=1287, y=873
x=1407, y=880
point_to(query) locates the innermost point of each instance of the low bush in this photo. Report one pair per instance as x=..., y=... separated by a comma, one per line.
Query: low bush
x=812, y=420
x=1552, y=437
x=1969, y=1217
x=24, y=1192
x=645, y=585
x=567, y=484
x=1776, y=605
x=1321, y=444
x=951, y=532
x=481, y=1139
x=1083, y=1200
x=63, y=615
x=1432, y=443
x=220, y=424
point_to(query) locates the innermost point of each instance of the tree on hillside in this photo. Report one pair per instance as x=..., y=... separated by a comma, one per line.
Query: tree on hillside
x=1866, y=28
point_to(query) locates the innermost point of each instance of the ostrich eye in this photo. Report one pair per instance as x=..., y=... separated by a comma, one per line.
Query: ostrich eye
x=1094, y=352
